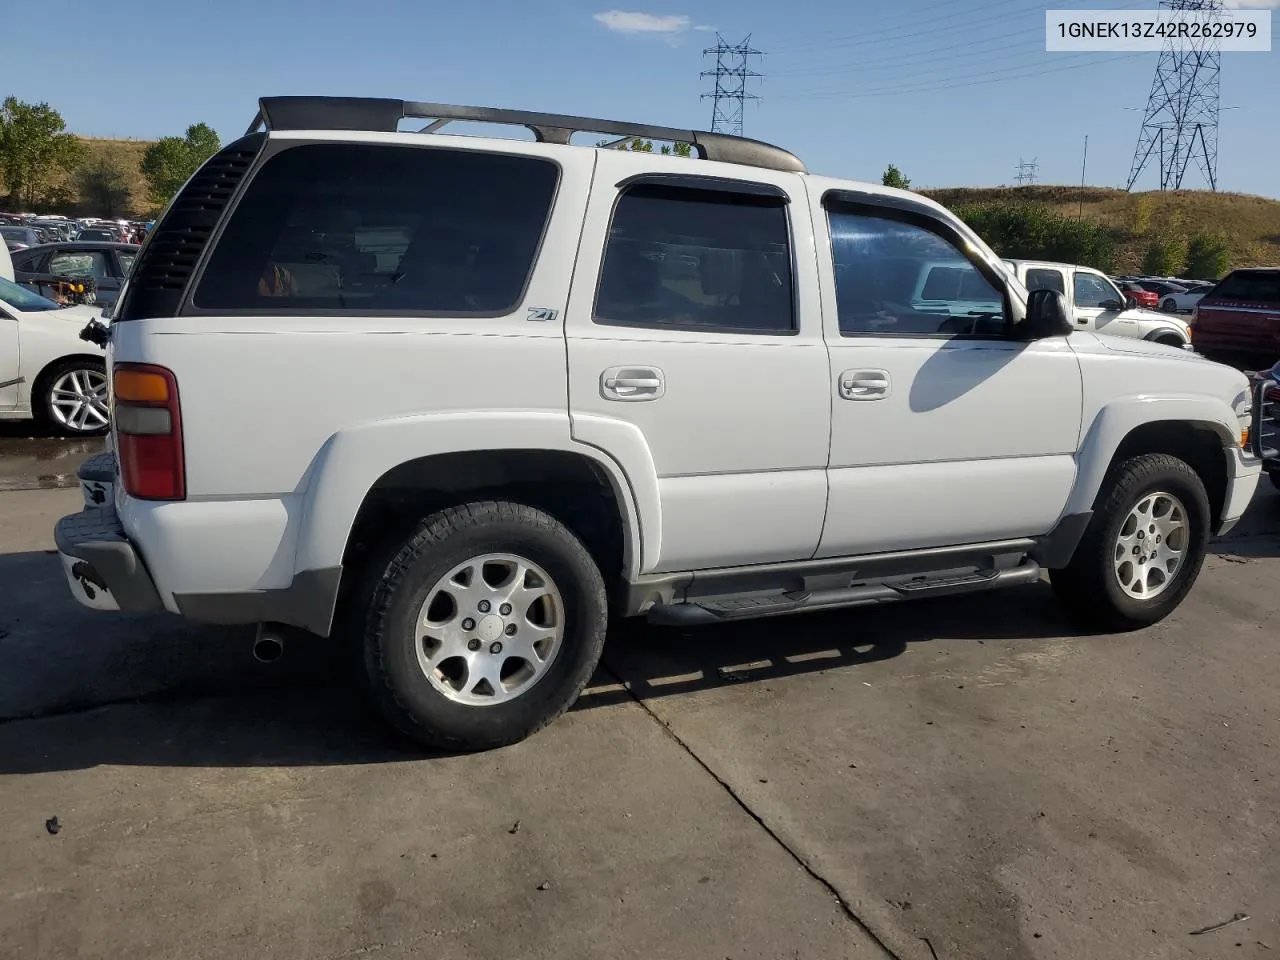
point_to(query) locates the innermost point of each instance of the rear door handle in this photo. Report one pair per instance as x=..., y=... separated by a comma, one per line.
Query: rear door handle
x=632, y=383
x=864, y=384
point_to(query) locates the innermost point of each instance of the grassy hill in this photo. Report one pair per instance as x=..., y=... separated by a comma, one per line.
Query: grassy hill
x=126, y=153
x=1251, y=223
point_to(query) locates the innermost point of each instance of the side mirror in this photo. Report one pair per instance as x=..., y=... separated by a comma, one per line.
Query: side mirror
x=1046, y=316
x=1111, y=305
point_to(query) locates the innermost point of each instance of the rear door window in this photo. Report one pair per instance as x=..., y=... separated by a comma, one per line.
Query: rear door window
x=706, y=260
x=1253, y=286
x=364, y=228
x=1042, y=279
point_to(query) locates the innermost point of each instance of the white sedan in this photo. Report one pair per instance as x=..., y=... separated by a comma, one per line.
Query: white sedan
x=47, y=372
x=1180, y=300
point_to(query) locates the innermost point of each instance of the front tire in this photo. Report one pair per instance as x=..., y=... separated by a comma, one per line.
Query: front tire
x=71, y=398
x=1143, y=548
x=484, y=627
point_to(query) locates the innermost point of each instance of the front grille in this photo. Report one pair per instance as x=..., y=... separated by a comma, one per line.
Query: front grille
x=170, y=255
x=1263, y=437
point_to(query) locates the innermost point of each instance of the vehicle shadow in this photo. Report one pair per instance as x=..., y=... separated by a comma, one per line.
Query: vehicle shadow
x=222, y=709
x=1257, y=535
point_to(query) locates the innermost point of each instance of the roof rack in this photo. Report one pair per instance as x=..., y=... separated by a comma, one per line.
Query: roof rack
x=383, y=115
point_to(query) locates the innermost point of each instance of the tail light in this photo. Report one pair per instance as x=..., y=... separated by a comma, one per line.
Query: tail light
x=148, y=425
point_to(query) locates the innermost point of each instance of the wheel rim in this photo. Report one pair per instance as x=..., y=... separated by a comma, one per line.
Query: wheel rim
x=489, y=629
x=78, y=400
x=1151, y=546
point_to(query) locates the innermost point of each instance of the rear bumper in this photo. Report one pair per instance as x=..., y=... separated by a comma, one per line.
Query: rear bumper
x=103, y=570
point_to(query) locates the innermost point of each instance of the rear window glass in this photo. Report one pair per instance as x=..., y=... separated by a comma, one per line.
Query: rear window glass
x=1259, y=287
x=362, y=228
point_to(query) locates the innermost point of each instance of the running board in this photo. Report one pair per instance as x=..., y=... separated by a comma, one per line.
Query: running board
x=751, y=606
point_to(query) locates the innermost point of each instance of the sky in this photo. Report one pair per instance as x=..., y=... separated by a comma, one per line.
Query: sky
x=954, y=92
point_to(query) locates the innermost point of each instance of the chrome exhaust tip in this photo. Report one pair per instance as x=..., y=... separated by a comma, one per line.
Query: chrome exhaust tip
x=268, y=646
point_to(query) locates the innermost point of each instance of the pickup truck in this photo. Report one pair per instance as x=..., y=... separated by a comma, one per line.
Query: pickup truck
x=1096, y=304
x=460, y=401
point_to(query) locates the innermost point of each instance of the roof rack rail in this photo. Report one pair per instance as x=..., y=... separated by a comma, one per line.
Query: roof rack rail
x=384, y=115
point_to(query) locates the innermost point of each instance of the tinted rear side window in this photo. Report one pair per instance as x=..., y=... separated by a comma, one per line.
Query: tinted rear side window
x=1040, y=279
x=702, y=260
x=363, y=228
x=1258, y=286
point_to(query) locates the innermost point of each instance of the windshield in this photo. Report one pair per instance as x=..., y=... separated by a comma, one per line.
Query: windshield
x=17, y=234
x=20, y=298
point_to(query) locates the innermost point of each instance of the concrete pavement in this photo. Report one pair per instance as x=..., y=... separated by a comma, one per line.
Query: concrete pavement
x=963, y=778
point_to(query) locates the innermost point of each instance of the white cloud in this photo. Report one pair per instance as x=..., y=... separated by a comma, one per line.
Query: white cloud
x=707, y=27
x=622, y=21
x=1254, y=4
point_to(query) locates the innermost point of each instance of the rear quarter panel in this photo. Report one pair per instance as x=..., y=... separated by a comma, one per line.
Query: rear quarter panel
x=266, y=401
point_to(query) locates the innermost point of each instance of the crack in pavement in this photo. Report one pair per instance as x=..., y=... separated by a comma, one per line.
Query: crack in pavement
x=804, y=865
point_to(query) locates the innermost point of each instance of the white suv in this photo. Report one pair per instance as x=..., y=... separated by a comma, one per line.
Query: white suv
x=462, y=398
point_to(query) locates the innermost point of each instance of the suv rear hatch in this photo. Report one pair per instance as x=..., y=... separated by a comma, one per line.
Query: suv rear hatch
x=1239, y=319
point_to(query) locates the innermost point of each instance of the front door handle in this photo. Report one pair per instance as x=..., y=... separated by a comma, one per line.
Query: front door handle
x=864, y=384
x=632, y=383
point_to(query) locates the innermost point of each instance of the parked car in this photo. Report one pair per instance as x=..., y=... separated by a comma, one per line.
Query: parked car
x=708, y=396
x=46, y=371
x=6, y=264
x=1096, y=303
x=1238, y=321
x=99, y=235
x=19, y=238
x=107, y=263
x=1160, y=287
x=1136, y=296
x=1181, y=302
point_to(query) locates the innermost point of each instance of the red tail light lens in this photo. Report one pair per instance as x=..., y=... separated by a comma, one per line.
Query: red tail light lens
x=148, y=424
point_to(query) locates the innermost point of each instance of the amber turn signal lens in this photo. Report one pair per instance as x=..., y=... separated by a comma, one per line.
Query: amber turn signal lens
x=140, y=387
x=1244, y=438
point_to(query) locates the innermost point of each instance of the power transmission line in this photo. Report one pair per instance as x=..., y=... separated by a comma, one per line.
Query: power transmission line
x=948, y=83
x=888, y=36
x=731, y=74
x=1028, y=171
x=1180, y=123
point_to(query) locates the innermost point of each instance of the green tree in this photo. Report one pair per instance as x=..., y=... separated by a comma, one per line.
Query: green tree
x=1034, y=232
x=1165, y=257
x=103, y=186
x=640, y=145
x=170, y=161
x=1208, y=256
x=1142, y=210
x=33, y=144
x=892, y=177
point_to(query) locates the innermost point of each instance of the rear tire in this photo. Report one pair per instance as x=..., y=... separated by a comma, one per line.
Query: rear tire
x=1096, y=587
x=442, y=647
x=1169, y=306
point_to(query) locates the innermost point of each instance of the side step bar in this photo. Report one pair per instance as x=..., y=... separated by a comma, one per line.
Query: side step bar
x=710, y=610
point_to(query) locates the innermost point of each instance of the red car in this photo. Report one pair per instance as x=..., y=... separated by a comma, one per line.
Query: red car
x=1136, y=296
x=1238, y=321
